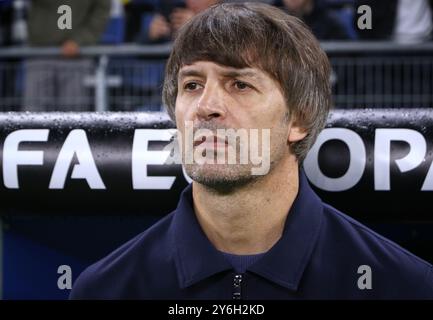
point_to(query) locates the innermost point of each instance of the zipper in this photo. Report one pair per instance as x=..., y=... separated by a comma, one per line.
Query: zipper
x=237, y=287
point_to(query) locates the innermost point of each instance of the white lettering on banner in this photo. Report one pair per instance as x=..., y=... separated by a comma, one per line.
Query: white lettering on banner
x=356, y=165
x=428, y=182
x=141, y=157
x=382, y=158
x=76, y=143
x=12, y=157
x=382, y=154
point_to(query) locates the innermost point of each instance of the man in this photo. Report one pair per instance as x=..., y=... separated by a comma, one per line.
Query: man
x=239, y=235
x=57, y=84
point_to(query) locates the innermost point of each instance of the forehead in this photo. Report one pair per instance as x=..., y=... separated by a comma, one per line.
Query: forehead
x=204, y=68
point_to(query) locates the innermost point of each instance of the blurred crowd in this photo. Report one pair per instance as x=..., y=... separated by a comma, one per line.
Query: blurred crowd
x=156, y=21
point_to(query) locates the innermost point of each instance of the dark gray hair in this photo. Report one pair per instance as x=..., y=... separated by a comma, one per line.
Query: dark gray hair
x=259, y=35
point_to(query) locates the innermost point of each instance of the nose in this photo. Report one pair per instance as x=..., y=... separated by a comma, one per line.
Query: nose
x=211, y=103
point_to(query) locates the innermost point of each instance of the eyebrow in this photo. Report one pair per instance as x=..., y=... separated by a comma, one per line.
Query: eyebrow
x=190, y=73
x=226, y=74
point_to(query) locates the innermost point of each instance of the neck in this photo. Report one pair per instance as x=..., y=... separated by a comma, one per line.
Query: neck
x=250, y=219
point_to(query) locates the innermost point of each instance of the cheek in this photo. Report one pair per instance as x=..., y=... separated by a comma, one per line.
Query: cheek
x=181, y=109
x=180, y=116
x=271, y=115
x=279, y=107
x=184, y=108
x=276, y=121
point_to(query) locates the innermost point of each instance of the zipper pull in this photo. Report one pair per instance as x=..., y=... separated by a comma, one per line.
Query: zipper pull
x=237, y=289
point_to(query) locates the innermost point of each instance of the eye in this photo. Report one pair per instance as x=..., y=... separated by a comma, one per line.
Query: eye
x=191, y=86
x=240, y=85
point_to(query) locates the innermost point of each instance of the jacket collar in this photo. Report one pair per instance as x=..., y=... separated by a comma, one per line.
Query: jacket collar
x=196, y=258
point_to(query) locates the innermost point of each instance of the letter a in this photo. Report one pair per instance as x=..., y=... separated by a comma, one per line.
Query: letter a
x=65, y=20
x=364, y=21
x=364, y=281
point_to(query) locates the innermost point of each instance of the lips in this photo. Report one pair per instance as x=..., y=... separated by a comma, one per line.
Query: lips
x=208, y=139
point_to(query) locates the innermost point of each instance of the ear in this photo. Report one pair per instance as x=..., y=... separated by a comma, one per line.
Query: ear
x=296, y=133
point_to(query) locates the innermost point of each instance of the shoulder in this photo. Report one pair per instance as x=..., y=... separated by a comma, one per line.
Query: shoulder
x=353, y=245
x=117, y=274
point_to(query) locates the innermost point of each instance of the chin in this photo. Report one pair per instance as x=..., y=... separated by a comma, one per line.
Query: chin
x=221, y=178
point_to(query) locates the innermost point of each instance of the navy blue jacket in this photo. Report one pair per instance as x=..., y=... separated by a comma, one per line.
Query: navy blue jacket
x=318, y=257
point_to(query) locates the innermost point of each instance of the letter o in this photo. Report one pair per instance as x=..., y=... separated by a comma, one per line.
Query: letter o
x=356, y=165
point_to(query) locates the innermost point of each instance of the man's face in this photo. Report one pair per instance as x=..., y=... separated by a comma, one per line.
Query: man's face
x=213, y=96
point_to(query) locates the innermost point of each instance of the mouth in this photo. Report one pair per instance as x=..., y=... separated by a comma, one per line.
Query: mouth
x=211, y=141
